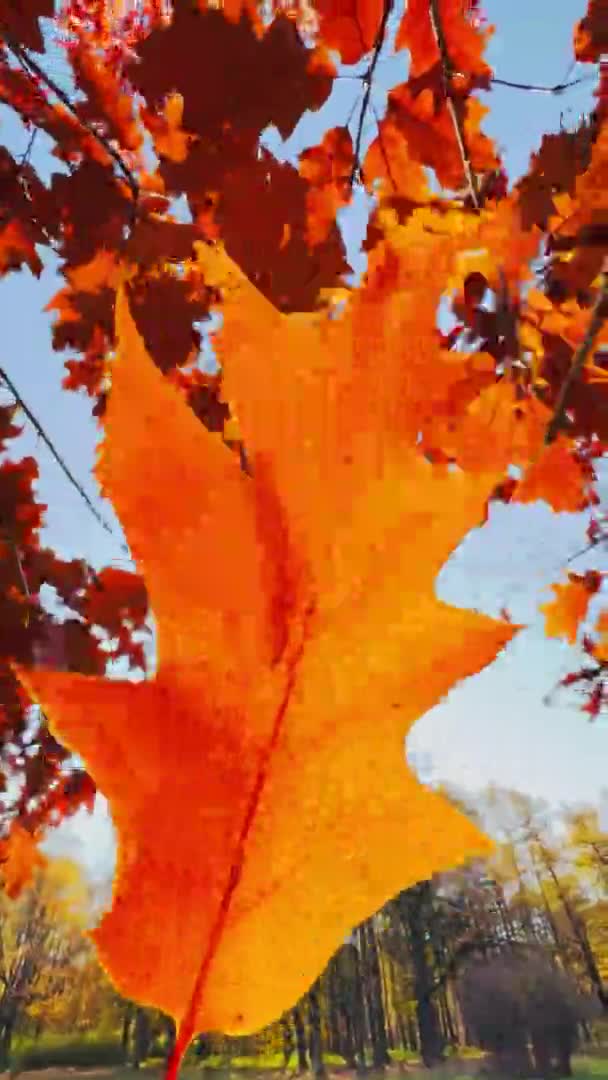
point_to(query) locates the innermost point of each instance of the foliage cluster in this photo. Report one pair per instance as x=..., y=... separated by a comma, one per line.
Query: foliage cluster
x=293, y=579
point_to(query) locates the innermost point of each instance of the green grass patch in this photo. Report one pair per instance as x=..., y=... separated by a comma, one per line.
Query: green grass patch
x=92, y=1051
x=55, y=1051
x=403, y=1055
x=263, y=1063
x=594, y=1068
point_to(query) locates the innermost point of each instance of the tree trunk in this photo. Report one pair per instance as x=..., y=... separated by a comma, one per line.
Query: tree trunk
x=344, y=972
x=413, y=906
x=334, y=1012
x=373, y=994
x=315, y=1038
x=287, y=1041
x=359, y=1019
x=6, y=1040
x=513, y=1061
x=542, y=1056
x=580, y=932
x=126, y=1030
x=386, y=999
x=171, y=1031
x=449, y=1030
x=141, y=1037
x=8, y=1020
x=413, y=1033
x=301, y=1049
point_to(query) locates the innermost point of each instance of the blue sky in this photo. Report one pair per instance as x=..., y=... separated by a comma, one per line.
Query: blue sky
x=494, y=727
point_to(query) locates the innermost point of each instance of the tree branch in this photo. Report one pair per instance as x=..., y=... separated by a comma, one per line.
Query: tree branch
x=448, y=71
x=18, y=564
x=57, y=457
x=559, y=88
x=368, y=80
x=579, y=359
x=33, y=68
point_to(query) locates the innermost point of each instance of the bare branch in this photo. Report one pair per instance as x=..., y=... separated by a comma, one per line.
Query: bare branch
x=10, y=540
x=532, y=88
x=385, y=157
x=57, y=456
x=25, y=157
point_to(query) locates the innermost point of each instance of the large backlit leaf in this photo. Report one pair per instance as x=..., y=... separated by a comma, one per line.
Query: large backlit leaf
x=258, y=784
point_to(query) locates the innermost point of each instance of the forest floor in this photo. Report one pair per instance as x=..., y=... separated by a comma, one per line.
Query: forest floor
x=585, y=1067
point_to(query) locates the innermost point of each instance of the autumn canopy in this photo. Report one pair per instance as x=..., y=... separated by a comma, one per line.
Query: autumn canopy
x=289, y=515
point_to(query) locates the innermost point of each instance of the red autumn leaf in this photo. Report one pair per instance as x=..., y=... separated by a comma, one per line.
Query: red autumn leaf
x=19, y=857
x=591, y=33
x=22, y=20
x=115, y=595
x=197, y=57
x=328, y=169
x=465, y=41
x=351, y=27
x=430, y=137
x=271, y=245
x=18, y=247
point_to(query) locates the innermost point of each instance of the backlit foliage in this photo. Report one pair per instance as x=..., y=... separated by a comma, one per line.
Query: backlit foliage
x=288, y=515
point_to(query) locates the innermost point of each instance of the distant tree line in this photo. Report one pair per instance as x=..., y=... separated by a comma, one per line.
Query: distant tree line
x=508, y=955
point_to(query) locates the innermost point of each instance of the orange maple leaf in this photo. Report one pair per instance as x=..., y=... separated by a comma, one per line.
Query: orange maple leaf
x=258, y=784
x=564, y=614
x=19, y=857
x=104, y=95
x=600, y=647
x=557, y=478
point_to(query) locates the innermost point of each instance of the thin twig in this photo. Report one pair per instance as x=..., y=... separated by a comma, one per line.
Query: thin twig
x=29, y=118
x=25, y=157
x=583, y=551
x=32, y=67
x=367, y=80
x=448, y=71
x=559, y=88
x=10, y=540
x=385, y=157
x=57, y=456
x=579, y=359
